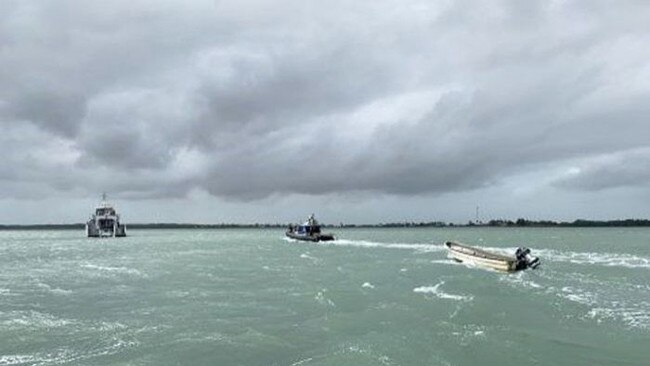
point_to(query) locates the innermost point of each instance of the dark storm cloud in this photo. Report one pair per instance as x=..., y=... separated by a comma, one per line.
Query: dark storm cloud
x=249, y=99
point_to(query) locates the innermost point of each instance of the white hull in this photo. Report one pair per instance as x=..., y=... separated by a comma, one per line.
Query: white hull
x=93, y=231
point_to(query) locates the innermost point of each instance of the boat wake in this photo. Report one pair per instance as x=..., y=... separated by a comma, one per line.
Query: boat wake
x=602, y=259
x=420, y=247
x=371, y=244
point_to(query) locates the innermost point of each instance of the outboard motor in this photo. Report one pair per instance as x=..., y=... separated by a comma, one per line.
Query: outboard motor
x=525, y=260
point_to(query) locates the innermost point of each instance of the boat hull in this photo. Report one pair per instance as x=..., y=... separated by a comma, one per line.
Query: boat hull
x=466, y=254
x=94, y=231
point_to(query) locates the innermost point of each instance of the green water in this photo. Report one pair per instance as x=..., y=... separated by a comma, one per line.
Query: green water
x=373, y=297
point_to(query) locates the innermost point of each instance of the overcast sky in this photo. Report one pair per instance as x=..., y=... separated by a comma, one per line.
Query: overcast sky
x=359, y=111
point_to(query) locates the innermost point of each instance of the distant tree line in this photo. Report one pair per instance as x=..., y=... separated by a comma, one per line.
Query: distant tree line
x=575, y=223
x=394, y=224
x=520, y=222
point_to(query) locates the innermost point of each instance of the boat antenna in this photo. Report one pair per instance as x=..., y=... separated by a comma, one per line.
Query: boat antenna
x=104, y=196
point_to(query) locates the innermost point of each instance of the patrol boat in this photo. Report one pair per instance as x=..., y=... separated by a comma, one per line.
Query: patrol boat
x=105, y=222
x=464, y=253
x=308, y=231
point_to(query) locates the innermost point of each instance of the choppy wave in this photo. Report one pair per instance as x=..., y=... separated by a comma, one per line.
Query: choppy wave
x=64, y=356
x=634, y=317
x=437, y=292
x=33, y=320
x=597, y=300
x=54, y=290
x=376, y=357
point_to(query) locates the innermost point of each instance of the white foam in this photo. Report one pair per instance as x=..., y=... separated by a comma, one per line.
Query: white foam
x=596, y=299
x=634, y=317
x=54, y=290
x=445, y=261
x=34, y=320
x=312, y=259
x=520, y=280
x=20, y=360
x=123, y=270
x=367, y=285
x=436, y=291
x=65, y=355
x=303, y=361
x=323, y=300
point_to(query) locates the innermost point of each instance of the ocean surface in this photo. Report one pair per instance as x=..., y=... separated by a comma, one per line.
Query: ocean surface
x=373, y=297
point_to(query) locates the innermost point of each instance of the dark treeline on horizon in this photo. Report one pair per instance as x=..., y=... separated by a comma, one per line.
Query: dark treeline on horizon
x=406, y=224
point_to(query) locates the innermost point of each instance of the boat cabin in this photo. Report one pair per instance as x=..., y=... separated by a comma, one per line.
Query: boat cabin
x=105, y=211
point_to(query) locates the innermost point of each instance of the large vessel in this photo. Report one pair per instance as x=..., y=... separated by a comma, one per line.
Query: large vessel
x=105, y=222
x=308, y=231
x=464, y=253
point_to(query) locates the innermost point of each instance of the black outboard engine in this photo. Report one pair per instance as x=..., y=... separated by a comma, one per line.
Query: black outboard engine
x=525, y=260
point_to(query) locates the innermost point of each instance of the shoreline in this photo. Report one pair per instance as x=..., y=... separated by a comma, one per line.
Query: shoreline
x=520, y=223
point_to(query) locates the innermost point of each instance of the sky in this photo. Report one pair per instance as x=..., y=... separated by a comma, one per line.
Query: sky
x=358, y=111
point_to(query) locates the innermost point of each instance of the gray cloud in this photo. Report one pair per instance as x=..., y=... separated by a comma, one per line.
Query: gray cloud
x=622, y=169
x=246, y=100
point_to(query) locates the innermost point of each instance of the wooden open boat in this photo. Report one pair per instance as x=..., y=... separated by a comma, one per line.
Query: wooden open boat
x=465, y=253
